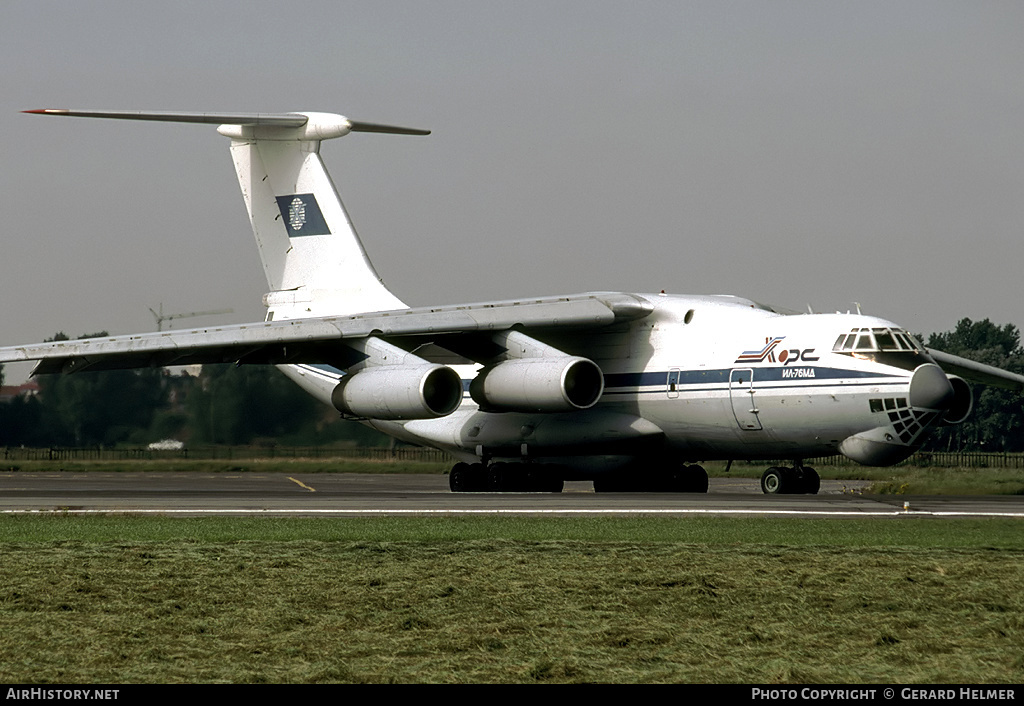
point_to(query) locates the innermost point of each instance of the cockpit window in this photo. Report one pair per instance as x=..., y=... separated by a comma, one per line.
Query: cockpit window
x=885, y=340
x=863, y=340
x=888, y=346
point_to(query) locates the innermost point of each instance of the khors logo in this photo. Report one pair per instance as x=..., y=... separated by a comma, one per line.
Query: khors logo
x=766, y=353
x=796, y=355
x=785, y=356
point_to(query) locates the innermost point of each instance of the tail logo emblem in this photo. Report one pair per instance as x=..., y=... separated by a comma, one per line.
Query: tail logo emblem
x=297, y=214
x=301, y=215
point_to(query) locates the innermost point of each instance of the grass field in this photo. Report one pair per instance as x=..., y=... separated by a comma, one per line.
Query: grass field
x=126, y=599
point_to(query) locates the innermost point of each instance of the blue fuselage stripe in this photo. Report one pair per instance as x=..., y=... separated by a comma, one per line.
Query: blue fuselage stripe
x=774, y=374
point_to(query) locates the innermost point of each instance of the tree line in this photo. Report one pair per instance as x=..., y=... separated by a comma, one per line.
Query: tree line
x=997, y=422
x=228, y=404
x=224, y=404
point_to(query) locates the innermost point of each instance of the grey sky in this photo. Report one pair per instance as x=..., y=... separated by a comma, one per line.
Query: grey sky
x=792, y=152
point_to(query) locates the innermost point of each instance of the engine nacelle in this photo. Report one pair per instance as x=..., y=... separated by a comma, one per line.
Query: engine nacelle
x=963, y=401
x=562, y=384
x=399, y=392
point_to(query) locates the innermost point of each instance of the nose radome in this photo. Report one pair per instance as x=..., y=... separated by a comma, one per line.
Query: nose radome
x=930, y=388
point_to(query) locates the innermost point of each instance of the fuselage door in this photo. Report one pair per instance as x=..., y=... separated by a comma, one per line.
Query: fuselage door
x=741, y=394
x=672, y=387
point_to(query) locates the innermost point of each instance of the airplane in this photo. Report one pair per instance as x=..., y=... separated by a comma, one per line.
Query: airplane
x=632, y=391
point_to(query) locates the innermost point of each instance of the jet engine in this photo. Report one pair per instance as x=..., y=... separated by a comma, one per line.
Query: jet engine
x=399, y=392
x=963, y=402
x=562, y=384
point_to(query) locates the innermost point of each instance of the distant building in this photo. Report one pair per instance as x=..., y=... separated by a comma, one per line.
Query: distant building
x=26, y=389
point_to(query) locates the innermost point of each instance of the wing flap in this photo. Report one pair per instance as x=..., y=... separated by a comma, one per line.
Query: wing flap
x=316, y=340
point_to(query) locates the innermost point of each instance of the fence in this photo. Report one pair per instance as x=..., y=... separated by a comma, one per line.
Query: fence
x=945, y=459
x=206, y=453
x=942, y=459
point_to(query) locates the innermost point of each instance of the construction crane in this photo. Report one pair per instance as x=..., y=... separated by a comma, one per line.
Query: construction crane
x=161, y=317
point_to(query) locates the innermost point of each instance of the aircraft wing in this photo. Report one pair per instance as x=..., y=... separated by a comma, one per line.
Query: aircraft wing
x=980, y=373
x=314, y=340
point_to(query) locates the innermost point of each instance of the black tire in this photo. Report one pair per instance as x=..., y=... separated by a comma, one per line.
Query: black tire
x=775, y=481
x=459, y=479
x=688, y=479
x=697, y=479
x=477, y=474
x=496, y=477
x=811, y=481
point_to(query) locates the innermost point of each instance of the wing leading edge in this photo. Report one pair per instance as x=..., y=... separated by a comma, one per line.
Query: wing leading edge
x=980, y=373
x=314, y=340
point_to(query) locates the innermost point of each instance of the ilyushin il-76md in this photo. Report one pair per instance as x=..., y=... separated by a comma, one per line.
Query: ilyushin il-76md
x=632, y=391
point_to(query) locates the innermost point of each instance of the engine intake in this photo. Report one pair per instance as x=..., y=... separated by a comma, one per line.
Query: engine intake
x=397, y=392
x=963, y=402
x=562, y=384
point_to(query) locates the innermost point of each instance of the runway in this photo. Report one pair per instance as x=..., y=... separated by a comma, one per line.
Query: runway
x=356, y=494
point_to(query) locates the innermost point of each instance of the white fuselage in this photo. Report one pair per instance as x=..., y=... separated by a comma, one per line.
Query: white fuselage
x=700, y=378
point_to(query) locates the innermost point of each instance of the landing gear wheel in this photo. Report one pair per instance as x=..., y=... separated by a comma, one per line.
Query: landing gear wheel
x=698, y=479
x=498, y=477
x=811, y=481
x=466, y=477
x=775, y=481
x=688, y=479
x=521, y=477
x=458, y=478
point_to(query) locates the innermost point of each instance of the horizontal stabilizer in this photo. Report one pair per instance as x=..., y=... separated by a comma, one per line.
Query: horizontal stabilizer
x=286, y=120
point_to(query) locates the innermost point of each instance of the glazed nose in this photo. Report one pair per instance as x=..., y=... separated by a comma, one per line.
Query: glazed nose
x=931, y=389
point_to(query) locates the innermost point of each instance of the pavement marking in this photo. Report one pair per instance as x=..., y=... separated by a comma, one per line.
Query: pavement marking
x=398, y=511
x=299, y=482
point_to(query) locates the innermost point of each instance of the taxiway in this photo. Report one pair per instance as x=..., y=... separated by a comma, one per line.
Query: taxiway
x=357, y=494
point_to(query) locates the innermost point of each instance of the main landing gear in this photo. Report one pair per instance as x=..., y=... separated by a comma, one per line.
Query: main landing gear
x=790, y=481
x=496, y=477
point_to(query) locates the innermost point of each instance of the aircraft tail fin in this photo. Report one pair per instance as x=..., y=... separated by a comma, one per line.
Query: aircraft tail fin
x=312, y=257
